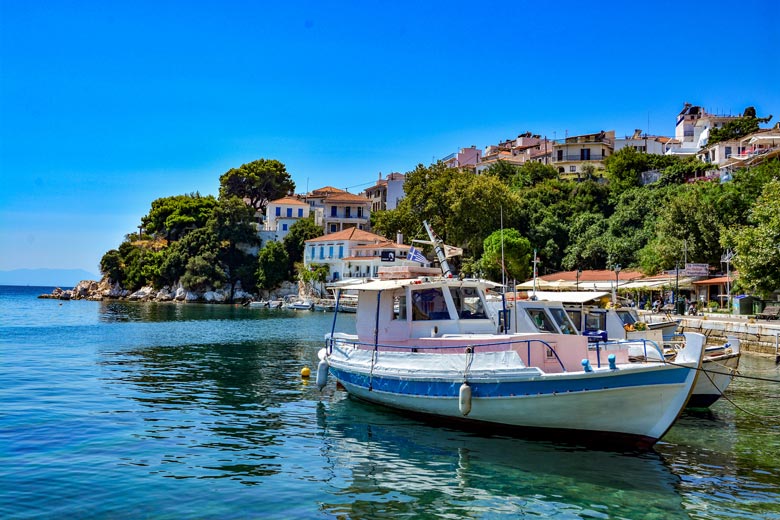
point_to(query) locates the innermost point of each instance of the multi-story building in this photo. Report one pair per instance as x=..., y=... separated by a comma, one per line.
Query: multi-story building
x=336, y=210
x=692, y=129
x=572, y=154
x=644, y=143
x=354, y=253
x=280, y=215
x=386, y=193
x=466, y=158
x=526, y=147
x=746, y=151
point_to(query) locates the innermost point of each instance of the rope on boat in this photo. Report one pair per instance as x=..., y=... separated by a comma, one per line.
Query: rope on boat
x=724, y=396
x=469, y=361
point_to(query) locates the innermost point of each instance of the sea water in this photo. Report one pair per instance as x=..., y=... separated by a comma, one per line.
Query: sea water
x=142, y=410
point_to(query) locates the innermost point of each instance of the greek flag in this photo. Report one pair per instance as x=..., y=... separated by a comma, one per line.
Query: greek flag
x=416, y=256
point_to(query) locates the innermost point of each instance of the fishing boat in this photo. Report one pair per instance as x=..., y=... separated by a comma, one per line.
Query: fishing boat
x=431, y=345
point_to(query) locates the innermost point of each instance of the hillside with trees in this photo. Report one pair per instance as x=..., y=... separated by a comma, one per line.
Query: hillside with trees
x=204, y=243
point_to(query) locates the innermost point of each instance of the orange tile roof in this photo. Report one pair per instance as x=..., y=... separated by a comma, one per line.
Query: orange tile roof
x=288, y=200
x=326, y=190
x=347, y=197
x=352, y=233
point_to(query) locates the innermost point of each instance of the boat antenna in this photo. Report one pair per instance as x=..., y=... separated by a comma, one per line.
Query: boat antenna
x=503, y=265
x=439, y=249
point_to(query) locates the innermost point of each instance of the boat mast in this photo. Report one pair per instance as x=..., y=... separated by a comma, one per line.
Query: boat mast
x=437, y=247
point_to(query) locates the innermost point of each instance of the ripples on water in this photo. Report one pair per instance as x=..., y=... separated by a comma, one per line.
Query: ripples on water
x=179, y=411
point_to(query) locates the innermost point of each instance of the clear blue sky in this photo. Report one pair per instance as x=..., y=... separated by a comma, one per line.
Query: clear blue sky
x=106, y=106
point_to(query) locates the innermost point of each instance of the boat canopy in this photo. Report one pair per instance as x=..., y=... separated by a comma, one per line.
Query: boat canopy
x=570, y=296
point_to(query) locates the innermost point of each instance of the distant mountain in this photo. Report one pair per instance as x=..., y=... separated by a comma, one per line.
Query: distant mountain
x=46, y=277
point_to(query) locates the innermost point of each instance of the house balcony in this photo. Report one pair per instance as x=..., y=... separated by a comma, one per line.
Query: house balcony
x=579, y=158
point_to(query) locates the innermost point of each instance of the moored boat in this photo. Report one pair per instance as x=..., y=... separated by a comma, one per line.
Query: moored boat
x=433, y=346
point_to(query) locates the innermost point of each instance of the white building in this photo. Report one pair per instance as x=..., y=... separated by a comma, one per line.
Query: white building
x=354, y=253
x=653, y=144
x=337, y=210
x=280, y=215
x=692, y=129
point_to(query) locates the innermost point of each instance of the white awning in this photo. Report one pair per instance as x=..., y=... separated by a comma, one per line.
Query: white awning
x=570, y=296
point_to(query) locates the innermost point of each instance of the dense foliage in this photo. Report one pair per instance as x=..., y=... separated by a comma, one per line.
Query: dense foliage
x=592, y=224
x=608, y=218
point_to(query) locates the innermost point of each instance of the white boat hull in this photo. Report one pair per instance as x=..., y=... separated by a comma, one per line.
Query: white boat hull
x=640, y=402
x=717, y=374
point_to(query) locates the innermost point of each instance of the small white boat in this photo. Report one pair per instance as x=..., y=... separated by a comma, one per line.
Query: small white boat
x=719, y=365
x=433, y=346
x=258, y=304
x=275, y=304
x=324, y=305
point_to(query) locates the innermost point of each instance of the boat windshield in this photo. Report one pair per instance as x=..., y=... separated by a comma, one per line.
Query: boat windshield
x=429, y=304
x=541, y=320
x=468, y=303
x=596, y=321
x=626, y=317
x=563, y=321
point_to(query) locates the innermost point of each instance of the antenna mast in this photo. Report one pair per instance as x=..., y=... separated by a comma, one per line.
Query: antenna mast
x=437, y=247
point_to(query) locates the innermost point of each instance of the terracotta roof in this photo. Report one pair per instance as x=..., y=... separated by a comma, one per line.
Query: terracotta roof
x=347, y=197
x=714, y=281
x=327, y=190
x=592, y=275
x=352, y=233
x=288, y=200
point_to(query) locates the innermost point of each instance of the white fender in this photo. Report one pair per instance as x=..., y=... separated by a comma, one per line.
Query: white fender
x=322, y=374
x=464, y=399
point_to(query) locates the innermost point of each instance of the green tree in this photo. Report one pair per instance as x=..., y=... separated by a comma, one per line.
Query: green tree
x=112, y=266
x=503, y=170
x=203, y=272
x=758, y=244
x=173, y=217
x=532, y=173
x=516, y=255
x=476, y=203
x=295, y=240
x=587, y=247
x=258, y=182
x=624, y=169
x=736, y=128
x=272, y=266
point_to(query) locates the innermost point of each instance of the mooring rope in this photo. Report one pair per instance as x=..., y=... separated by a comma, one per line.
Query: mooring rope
x=724, y=396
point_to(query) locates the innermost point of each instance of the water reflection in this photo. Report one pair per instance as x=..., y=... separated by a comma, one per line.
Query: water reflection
x=727, y=457
x=392, y=464
x=211, y=411
x=121, y=311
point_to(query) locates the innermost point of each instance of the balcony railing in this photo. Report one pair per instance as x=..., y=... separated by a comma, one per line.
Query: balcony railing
x=578, y=157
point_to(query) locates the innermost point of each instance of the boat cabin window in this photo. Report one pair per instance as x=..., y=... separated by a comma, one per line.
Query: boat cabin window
x=596, y=321
x=429, y=304
x=563, y=321
x=626, y=317
x=399, y=306
x=576, y=317
x=468, y=303
x=541, y=320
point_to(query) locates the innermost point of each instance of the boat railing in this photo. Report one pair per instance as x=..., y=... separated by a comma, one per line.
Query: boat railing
x=470, y=348
x=604, y=345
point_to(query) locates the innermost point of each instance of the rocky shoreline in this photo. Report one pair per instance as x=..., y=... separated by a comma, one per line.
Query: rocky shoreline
x=105, y=290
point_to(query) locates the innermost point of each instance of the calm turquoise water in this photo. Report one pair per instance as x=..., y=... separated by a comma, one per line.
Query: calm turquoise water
x=118, y=410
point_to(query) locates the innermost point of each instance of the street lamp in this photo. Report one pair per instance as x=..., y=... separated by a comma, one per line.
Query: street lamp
x=579, y=272
x=617, y=281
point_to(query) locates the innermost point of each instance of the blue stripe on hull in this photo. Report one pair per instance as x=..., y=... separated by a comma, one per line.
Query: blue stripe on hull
x=511, y=388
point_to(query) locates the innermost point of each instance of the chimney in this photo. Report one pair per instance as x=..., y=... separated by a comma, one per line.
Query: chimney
x=399, y=238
